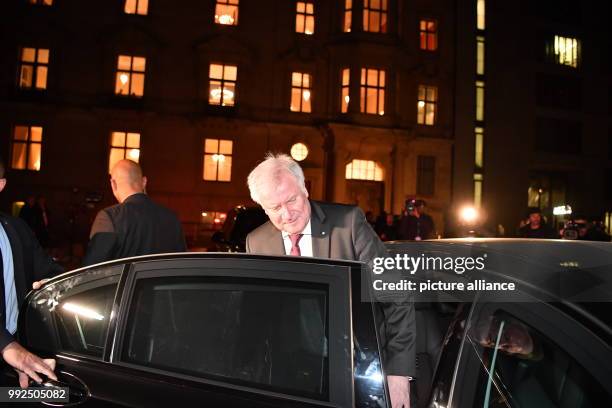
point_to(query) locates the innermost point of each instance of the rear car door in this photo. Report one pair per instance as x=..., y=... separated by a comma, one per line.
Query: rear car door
x=217, y=330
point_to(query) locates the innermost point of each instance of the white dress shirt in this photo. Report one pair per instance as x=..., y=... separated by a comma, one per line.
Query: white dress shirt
x=305, y=243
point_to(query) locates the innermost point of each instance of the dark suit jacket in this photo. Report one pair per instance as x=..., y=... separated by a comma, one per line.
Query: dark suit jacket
x=341, y=232
x=138, y=226
x=30, y=263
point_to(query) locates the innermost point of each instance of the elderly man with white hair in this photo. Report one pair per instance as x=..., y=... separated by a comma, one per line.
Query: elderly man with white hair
x=302, y=227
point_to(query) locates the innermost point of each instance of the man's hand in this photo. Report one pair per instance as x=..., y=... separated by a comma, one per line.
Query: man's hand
x=27, y=365
x=38, y=284
x=399, y=391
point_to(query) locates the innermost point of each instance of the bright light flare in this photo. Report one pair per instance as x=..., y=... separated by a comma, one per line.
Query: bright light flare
x=468, y=215
x=82, y=311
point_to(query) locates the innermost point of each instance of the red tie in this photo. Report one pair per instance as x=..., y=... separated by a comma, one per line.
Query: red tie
x=295, y=248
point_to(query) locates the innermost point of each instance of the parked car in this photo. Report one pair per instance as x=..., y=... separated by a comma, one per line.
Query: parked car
x=240, y=221
x=256, y=331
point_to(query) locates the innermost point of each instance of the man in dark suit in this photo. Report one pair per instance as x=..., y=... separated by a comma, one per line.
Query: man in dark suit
x=22, y=263
x=135, y=226
x=302, y=227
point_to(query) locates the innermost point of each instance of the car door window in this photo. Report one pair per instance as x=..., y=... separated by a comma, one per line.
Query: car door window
x=73, y=314
x=521, y=367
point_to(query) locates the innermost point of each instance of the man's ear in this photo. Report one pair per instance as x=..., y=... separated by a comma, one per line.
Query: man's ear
x=144, y=184
x=2, y=183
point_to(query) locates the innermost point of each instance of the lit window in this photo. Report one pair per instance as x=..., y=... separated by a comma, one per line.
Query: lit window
x=373, y=91
x=213, y=219
x=222, y=84
x=480, y=88
x=480, y=14
x=348, y=15
x=136, y=7
x=226, y=12
x=567, y=51
x=299, y=151
x=41, y=2
x=27, y=148
x=480, y=55
x=124, y=145
x=364, y=170
x=477, y=190
x=217, y=160
x=300, y=92
x=345, y=99
x=304, y=18
x=478, y=147
x=33, y=68
x=130, y=75
x=427, y=105
x=428, y=35
x=375, y=16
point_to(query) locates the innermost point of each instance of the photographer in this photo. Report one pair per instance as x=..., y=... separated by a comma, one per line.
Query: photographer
x=536, y=226
x=416, y=225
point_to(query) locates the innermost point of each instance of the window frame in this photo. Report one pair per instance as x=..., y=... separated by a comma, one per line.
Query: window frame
x=234, y=5
x=125, y=146
x=35, y=66
x=335, y=274
x=428, y=34
x=28, y=145
x=131, y=72
x=222, y=84
x=541, y=316
x=364, y=86
x=301, y=89
x=426, y=102
x=137, y=3
x=383, y=15
x=205, y=153
x=304, y=17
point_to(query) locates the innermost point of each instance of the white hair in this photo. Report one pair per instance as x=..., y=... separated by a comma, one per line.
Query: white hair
x=267, y=173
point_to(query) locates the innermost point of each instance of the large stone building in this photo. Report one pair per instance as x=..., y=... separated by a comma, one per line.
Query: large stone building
x=199, y=92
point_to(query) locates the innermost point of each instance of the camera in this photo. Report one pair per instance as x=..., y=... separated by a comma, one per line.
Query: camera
x=412, y=204
x=571, y=229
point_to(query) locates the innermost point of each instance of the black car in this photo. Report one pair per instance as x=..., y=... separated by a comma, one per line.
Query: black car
x=240, y=221
x=256, y=331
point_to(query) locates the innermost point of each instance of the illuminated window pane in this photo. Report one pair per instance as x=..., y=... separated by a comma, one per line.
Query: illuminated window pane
x=123, y=145
x=478, y=147
x=344, y=94
x=364, y=170
x=217, y=160
x=480, y=14
x=26, y=148
x=427, y=105
x=130, y=77
x=480, y=55
x=375, y=16
x=222, y=84
x=348, y=15
x=428, y=35
x=566, y=51
x=300, y=92
x=299, y=151
x=372, y=91
x=304, y=18
x=480, y=100
x=41, y=2
x=477, y=190
x=226, y=12
x=33, y=68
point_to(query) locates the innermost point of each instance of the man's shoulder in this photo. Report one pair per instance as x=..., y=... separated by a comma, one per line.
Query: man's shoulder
x=335, y=208
x=15, y=222
x=265, y=229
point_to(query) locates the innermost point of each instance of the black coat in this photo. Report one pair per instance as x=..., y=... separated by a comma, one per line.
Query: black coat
x=30, y=263
x=138, y=226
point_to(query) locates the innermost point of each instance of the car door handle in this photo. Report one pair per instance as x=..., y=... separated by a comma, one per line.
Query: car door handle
x=77, y=390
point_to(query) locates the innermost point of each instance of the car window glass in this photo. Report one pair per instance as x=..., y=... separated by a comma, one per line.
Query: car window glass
x=521, y=367
x=252, y=332
x=73, y=314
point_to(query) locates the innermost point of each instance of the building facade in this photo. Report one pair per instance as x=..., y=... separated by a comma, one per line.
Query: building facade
x=360, y=91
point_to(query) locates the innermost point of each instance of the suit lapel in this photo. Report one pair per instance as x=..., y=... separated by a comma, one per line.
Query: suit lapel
x=17, y=252
x=320, y=231
x=274, y=240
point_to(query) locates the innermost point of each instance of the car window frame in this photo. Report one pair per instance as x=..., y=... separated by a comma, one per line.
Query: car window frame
x=110, y=332
x=543, y=317
x=336, y=274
